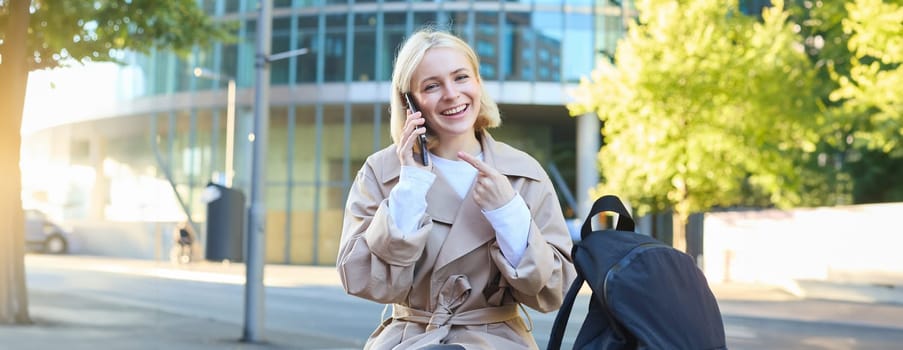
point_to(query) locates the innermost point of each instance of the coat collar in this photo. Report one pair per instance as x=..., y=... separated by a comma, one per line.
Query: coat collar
x=469, y=226
x=506, y=159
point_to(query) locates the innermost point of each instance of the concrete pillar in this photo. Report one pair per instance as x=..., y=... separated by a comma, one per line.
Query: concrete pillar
x=589, y=134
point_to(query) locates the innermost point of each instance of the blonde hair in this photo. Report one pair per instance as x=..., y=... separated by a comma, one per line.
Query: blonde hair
x=409, y=57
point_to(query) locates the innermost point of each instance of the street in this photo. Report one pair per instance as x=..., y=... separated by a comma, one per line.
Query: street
x=325, y=310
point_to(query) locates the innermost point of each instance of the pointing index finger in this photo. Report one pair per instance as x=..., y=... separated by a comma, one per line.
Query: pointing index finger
x=475, y=162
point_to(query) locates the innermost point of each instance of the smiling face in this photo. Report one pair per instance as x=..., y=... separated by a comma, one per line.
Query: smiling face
x=448, y=92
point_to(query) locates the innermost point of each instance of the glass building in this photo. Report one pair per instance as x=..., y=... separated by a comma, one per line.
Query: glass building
x=146, y=159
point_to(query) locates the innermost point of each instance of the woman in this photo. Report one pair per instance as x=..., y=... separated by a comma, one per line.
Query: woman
x=456, y=245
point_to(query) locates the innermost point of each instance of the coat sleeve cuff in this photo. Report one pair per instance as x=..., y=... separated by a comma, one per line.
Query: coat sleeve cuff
x=387, y=242
x=512, y=225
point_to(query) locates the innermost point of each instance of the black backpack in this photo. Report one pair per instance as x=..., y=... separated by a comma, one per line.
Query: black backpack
x=646, y=294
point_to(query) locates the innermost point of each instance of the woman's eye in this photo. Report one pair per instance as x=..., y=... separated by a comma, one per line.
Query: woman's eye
x=462, y=77
x=430, y=87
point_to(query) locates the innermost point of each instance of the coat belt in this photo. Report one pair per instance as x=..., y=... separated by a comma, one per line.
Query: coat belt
x=492, y=314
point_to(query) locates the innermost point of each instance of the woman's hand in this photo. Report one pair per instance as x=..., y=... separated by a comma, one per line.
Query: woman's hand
x=491, y=190
x=409, y=135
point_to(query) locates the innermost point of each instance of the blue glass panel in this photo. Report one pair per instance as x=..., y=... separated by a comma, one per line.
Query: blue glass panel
x=578, y=46
x=280, y=43
x=393, y=34
x=334, y=48
x=485, y=42
x=307, y=38
x=459, y=23
x=548, y=27
x=232, y=6
x=519, y=42
x=161, y=66
x=364, y=47
x=424, y=19
x=183, y=70
x=230, y=60
x=205, y=60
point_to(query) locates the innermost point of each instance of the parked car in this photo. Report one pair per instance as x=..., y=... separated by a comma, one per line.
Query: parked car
x=44, y=235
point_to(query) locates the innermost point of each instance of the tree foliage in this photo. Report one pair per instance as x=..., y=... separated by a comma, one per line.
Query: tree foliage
x=858, y=155
x=37, y=34
x=872, y=86
x=705, y=107
x=62, y=32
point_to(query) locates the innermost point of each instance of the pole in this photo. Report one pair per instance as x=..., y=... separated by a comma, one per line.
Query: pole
x=230, y=133
x=254, y=307
x=588, y=139
x=230, y=119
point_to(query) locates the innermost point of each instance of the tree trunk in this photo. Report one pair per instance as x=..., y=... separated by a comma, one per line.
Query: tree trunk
x=679, y=218
x=679, y=230
x=14, y=74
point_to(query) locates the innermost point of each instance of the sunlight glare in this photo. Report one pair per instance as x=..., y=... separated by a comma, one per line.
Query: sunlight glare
x=72, y=94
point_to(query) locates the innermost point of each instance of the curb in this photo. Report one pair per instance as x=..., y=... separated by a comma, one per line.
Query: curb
x=852, y=292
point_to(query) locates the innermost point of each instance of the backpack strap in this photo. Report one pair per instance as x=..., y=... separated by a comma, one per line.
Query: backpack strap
x=564, y=313
x=612, y=204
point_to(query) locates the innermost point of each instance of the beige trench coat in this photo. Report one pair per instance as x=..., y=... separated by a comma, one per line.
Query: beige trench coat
x=450, y=282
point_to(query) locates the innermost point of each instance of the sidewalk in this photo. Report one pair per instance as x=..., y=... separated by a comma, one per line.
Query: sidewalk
x=72, y=322
x=63, y=321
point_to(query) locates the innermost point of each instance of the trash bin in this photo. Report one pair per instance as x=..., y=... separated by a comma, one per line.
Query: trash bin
x=225, y=223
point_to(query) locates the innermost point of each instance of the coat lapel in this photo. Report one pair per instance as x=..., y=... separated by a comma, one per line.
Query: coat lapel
x=470, y=229
x=442, y=202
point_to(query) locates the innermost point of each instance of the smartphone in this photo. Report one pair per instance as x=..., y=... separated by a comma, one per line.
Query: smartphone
x=413, y=106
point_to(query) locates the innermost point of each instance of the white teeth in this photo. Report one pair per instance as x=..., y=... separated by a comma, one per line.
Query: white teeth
x=455, y=110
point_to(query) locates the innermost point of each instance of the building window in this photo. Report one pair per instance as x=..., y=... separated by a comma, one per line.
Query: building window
x=281, y=42
x=364, y=47
x=486, y=38
x=548, y=27
x=393, y=34
x=485, y=50
x=334, y=48
x=519, y=44
x=306, y=71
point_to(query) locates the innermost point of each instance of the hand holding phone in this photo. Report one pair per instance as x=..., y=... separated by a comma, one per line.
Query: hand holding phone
x=409, y=100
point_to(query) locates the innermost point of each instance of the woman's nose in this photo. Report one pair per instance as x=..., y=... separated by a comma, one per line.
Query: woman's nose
x=451, y=92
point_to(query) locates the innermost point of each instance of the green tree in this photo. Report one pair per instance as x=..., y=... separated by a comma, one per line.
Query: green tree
x=705, y=107
x=857, y=157
x=871, y=99
x=871, y=88
x=39, y=34
x=825, y=182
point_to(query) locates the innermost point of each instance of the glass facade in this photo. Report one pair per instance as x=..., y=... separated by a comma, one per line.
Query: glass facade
x=328, y=108
x=516, y=40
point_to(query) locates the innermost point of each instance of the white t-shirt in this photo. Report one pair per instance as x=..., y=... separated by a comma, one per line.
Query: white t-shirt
x=407, y=204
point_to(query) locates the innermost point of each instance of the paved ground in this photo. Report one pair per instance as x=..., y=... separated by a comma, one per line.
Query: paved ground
x=64, y=321
x=69, y=322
